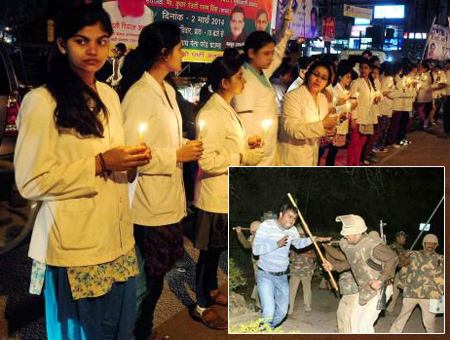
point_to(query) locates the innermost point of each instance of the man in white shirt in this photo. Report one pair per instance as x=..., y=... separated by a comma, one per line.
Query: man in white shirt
x=272, y=244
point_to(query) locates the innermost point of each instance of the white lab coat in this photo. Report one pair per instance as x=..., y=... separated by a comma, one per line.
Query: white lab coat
x=425, y=94
x=339, y=92
x=258, y=102
x=363, y=113
x=83, y=219
x=223, y=139
x=386, y=105
x=159, y=198
x=301, y=127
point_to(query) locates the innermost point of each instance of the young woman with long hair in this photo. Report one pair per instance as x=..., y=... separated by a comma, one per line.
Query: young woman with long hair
x=159, y=202
x=363, y=90
x=226, y=144
x=70, y=157
x=306, y=118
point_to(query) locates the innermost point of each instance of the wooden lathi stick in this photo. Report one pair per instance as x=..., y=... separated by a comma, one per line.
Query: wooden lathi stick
x=306, y=228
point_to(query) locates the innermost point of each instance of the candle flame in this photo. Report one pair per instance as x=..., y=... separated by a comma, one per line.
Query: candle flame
x=266, y=124
x=142, y=128
x=201, y=124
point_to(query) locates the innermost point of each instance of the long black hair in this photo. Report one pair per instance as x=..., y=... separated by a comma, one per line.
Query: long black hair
x=256, y=41
x=341, y=72
x=77, y=105
x=152, y=40
x=372, y=80
x=220, y=68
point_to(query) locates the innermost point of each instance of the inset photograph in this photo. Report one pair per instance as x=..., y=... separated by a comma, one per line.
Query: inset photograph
x=336, y=250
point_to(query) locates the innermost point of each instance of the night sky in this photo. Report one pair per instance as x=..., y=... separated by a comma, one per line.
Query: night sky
x=401, y=197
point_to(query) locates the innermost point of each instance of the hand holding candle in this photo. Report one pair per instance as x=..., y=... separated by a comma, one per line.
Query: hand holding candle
x=142, y=129
x=201, y=126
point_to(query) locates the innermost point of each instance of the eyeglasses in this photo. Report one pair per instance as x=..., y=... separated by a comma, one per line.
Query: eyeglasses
x=318, y=75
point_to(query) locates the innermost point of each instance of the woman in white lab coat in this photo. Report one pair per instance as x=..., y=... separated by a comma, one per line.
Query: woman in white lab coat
x=159, y=202
x=258, y=103
x=385, y=106
x=425, y=95
x=226, y=144
x=70, y=156
x=362, y=121
x=305, y=118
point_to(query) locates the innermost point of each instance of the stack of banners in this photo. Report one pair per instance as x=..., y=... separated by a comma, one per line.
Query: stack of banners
x=306, y=17
x=207, y=26
x=439, y=43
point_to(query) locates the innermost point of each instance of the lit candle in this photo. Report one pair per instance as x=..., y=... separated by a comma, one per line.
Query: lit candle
x=390, y=86
x=378, y=94
x=201, y=125
x=348, y=106
x=142, y=128
x=334, y=101
x=357, y=94
x=266, y=123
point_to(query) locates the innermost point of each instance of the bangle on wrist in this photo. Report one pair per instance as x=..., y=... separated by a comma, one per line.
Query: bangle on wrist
x=105, y=172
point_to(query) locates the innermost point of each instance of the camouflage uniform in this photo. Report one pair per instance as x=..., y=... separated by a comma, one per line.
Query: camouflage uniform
x=364, y=312
x=301, y=269
x=349, y=291
x=248, y=244
x=400, y=250
x=423, y=280
x=347, y=287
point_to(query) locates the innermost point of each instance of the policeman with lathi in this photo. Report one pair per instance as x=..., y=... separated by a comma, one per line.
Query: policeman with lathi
x=422, y=282
x=373, y=266
x=348, y=288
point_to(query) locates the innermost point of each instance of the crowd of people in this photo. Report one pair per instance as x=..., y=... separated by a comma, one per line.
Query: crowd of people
x=369, y=271
x=365, y=108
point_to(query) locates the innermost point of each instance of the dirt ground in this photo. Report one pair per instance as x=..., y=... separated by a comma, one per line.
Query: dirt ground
x=322, y=319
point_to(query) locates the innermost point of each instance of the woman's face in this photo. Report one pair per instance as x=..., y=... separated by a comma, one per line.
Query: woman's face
x=236, y=83
x=87, y=50
x=364, y=70
x=174, y=59
x=318, y=79
x=346, y=80
x=263, y=57
x=376, y=73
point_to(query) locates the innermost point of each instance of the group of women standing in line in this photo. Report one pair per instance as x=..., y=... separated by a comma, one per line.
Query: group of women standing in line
x=108, y=175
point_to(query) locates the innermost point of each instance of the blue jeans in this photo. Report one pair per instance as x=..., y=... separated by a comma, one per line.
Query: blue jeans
x=274, y=295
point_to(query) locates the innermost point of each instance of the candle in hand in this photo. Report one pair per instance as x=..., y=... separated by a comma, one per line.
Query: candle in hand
x=266, y=123
x=142, y=128
x=201, y=125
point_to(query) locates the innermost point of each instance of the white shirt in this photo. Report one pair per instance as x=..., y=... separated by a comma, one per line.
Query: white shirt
x=159, y=198
x=386, y=105
x=363, y=113
x=425, y=94
x=83, y=219
x=271, y=257
x=340, y=92
x=258, y=102
x=301, y=127
x=223, y=139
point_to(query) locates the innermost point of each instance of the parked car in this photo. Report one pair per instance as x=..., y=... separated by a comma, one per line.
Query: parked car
x=354, y=55
x=16, y=214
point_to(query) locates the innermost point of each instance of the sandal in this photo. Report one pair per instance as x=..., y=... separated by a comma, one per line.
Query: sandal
x=219, y=299
x=209, y=318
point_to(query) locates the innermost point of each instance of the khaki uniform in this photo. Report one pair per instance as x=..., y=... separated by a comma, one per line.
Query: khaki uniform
x=364, y=311
x=400, y=250
x=248, y=244
x=301, y=269
x=347, y=287
x=423, y=280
